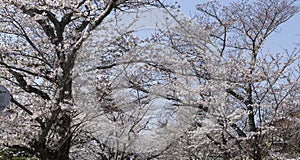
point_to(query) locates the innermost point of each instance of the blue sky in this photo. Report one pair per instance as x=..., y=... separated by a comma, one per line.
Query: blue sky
x=287, y=35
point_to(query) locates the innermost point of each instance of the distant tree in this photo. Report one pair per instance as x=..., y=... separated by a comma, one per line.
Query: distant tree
x=257, y=90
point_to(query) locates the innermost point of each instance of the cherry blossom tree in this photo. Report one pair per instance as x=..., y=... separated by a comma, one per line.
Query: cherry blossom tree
x=40, y=42
x=257, y=90
x=84, y=85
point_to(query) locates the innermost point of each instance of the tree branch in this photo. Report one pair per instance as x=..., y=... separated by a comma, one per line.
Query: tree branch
x=38, y=119
x=28, y=88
